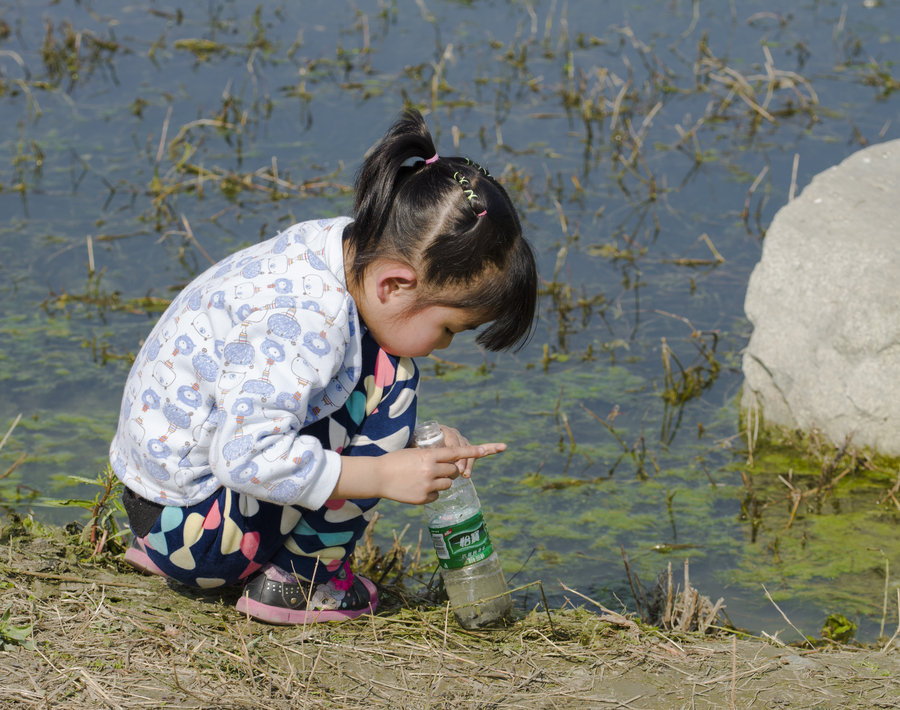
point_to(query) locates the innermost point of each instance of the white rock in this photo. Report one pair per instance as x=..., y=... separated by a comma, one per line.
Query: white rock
x=824, y=302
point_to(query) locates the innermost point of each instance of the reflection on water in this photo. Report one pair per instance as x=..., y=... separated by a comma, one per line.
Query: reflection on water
x=648, y=148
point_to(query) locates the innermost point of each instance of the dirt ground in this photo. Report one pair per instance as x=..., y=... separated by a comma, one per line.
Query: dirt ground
x=94, y=634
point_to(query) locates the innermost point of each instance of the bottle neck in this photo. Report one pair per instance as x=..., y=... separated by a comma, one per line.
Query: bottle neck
x=428, y=435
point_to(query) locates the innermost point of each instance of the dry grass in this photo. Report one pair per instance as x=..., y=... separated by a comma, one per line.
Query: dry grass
x=104, y=637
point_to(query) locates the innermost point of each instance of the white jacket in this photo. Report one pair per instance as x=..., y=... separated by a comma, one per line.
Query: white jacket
x=252, y=350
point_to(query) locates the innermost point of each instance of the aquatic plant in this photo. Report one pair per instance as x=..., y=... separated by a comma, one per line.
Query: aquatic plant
x=102, y=533
x=71, y=55
x=146, y=143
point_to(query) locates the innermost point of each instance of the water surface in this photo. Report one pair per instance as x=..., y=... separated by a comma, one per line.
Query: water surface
x=648, y=146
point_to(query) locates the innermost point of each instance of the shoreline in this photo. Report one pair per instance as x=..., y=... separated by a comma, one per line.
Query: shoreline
x=101, y=635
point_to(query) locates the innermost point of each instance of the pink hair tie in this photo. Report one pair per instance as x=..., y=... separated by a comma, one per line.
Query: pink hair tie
x=432, y=159
x=481, y=214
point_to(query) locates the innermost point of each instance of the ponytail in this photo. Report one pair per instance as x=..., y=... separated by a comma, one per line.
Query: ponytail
x=378, y=180
x=453, y=223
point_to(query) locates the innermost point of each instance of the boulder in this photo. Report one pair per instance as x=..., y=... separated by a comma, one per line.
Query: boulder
x=824, y=302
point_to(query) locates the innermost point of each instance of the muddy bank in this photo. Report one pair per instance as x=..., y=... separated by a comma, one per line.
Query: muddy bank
x=80, y=633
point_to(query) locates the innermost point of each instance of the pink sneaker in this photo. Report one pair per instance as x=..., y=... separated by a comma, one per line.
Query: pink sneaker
x=138, y=558
x=274, y=599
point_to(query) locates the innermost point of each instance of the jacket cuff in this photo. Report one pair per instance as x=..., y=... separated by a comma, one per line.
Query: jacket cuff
x=316, y=494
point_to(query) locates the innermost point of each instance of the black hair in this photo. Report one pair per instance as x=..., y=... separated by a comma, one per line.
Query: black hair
x=453, y=223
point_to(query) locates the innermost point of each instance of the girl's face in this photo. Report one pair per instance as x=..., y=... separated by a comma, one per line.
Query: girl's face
x=387, y=300
x=422, y=332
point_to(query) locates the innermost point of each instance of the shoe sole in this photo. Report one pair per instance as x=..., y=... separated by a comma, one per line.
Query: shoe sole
x=281, y=615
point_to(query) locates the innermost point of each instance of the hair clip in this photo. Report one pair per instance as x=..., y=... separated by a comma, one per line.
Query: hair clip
x=477, y=167
x=470, y=194
x=432, y=159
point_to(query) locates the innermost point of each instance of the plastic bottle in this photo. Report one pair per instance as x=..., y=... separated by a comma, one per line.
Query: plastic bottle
x=469, y=565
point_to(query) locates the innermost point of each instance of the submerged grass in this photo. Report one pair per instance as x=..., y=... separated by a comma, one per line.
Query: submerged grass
x=648, y=123
x=819, y=512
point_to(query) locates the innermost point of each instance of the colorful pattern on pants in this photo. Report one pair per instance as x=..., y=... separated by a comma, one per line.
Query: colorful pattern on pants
x=224, y=539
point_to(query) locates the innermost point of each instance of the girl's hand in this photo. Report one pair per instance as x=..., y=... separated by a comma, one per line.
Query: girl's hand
x=409, y=475
x=452, y=437
x=418, y=475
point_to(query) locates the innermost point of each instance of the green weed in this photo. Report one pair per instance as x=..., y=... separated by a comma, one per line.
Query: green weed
x=101, y=533
x=12, y=635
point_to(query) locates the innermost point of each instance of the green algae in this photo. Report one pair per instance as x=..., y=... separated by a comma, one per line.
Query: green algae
x=820, y=517
x=620, y=422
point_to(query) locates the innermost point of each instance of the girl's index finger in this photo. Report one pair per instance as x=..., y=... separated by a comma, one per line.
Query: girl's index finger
x=475, y=451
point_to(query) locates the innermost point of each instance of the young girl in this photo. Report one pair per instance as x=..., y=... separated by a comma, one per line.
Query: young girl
x=274, y=402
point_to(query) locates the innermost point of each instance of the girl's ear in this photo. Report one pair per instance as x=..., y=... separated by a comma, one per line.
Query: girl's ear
x=394, y=279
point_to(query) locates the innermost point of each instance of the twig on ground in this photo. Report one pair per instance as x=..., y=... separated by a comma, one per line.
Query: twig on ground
x=608, y=614
x=784, y=616
x=140, y=584
x=888, y=644
x=733, y=670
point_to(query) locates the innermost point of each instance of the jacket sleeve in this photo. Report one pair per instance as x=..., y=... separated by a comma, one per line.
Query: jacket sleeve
x=277, y=368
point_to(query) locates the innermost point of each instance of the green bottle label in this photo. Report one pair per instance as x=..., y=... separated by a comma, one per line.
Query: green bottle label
x=461, y=544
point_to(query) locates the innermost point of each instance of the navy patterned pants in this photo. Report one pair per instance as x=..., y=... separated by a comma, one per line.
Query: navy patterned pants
x=224, y=539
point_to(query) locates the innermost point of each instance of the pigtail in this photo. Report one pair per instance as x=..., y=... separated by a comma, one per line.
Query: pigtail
x=379, y=178
x=453, y=223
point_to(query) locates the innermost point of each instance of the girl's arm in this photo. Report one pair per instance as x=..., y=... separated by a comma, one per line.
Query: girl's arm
x=264, y=395
x=408, y=476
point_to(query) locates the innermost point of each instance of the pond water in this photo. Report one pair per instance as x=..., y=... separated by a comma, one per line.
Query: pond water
x=648, y=145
